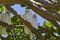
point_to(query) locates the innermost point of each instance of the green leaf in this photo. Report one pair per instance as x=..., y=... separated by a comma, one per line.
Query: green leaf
x=16, y=21
x=48, y=24
x=58, y=10
x=2, y=9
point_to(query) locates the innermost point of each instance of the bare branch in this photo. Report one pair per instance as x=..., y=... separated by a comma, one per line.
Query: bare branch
x=9, y=2
x=43, y=14
x=48, y=4
x=51, y=12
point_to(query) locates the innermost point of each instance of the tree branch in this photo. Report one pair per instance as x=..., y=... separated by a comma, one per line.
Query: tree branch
x=40, y=12
x=40, y=28
x=9, y=2
x=51, y=12
x=43, y=14
x=26, y=23
x=47, y=31
x=48, y=4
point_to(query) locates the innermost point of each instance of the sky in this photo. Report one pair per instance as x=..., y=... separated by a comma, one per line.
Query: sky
x=21, y=10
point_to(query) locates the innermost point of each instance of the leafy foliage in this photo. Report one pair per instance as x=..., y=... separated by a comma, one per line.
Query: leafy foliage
x=16, y=21
x=58, y=10
x=48, y=24
x=19, y=32
x=2, y=9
